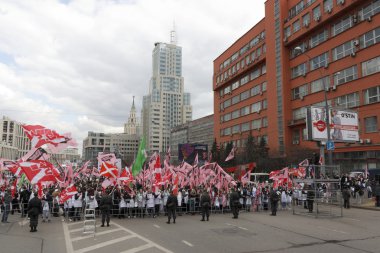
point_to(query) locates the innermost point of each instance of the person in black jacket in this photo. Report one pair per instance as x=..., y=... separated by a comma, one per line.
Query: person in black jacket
x=34, y=210
x=24, y=197
x=171, y=206
x=274, y=198
x=205, y=205
x=234, y=203
x=105, y=207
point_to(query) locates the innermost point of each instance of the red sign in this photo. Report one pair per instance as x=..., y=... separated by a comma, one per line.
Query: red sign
x=320, y=125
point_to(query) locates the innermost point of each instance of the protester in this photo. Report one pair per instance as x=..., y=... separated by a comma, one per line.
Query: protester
x=234, y=203
x=6, y=206
x=171, y=206
x=105, y=207
x=205, y=205
x=34, y=210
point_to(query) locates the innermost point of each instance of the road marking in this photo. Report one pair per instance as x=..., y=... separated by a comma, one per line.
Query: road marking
x=334, y=230
x=69, y=245
x=228, y=224
x=149, y=242
x=100, y=233
x=80, y=229
x=243, y=228
x=352, y=219
x=140, y=248
x=23, y=223
x=155, y=225
x=74, y=223
x=103, y=244
x=187, y=243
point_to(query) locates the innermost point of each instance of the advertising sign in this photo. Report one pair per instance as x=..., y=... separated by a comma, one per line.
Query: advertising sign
x=344, y=124
x=188, y=152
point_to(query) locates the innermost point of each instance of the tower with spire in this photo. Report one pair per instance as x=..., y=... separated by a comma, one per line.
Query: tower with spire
x=133, y=124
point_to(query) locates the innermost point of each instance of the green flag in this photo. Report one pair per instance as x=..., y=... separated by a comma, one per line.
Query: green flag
x=140, y=159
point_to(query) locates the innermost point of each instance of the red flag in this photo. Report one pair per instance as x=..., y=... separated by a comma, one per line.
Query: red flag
x=37, y=171
x=14, y=188
x=125, y=176
x=67, y=193
x=231, y=154
x=39, y=135
x=109, y=170
x=175, y=186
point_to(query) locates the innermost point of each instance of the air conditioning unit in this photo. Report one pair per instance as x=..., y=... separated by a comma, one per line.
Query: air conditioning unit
x=329, y=9
x=258, y=129
x=341, y=2
x=296, y=142
x=353, y=54
x=333, y=87
x=368, y=141
x=261, y=93
x=355, y=18
x=301, y=97
x=317, y=18
x=291, y=122
x=369, y=19
x=356, y=43
x=361, y=141
x=286, y=39
x=306, y=24
x=258, y=111
x=326, y=66
x=305, y=46
x=304, y=74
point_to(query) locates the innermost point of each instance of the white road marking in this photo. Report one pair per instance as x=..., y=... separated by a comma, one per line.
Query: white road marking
x=23, y=223
x=74, y=223
x=80, y=229
x=103, y=244
x=143, y=238
x=69, y=245
x=140, y=248
x=228, y=224
x=243, y=228
x=351, y=219
x=155, y=225
x=100, y=233
x=334, y=230
x=187, y=243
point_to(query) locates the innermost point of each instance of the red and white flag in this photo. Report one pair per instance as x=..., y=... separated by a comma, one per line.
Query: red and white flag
x=67, y=193
x=175, y=186
x=125, y=176
x=38, y=171
x=195, y=161
x=231, y=155
x=109, y=170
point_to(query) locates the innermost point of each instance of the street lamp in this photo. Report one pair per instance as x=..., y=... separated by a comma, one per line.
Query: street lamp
x=298, y=50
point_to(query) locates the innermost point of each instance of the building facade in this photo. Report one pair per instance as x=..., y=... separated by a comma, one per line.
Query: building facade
x=166, y=105
x=70, y=155
x=200, y=131
x=300, y=53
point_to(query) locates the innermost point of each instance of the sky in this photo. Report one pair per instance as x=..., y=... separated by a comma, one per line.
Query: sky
x=75, y=65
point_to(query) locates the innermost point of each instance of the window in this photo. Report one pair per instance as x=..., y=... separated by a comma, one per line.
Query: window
x=263, y=69
x=244, y=80
x=347, y=101
x=300, y=91
x=296, y=26
x=319, y=61
x=227, y=89
x=236, y=129
x=299, y=113
x=319, y=38
x=255, y=90
x=299, y=70
x=296, y=9
x=370, y=10
x=255, y=74
x=370, y=67
x=343, y=50
x=244, y=111
x=235, y=114
x=227, y=131
x=295, y=136
x=264, y=86
x=372, y=95
x=235, y=99
x=320, y=84
x=370, y=38
x=245, y=127
x=287, y=32
x=235, y=85
x=227, y=103
x=327, y=5
x=317, y=13
x=294, y=52
x=227, y=117
x=256, y=124
x=346, y=75
x=256, y=107
x=306, y=20
x=370, y=124
x=244, y=95
x=342, y=26
x=304, y=134
x=265, y=122
x=258, y=52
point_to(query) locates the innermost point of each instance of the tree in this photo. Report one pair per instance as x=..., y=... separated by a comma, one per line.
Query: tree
x=215, y=152
x=250, y=149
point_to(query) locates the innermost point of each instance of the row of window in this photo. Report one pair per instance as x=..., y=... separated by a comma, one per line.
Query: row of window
x=241, y=64
x=253, y=108
x=241, y=143
x=243, y=50
x=366, y=12
x=256, y=90
x=247, y=126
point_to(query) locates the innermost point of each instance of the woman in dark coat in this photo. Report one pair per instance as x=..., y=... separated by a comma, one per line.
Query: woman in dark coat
x=34, y=210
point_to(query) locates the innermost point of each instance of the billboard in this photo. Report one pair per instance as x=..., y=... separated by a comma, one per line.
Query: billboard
x=344, y=124
x=188, y=152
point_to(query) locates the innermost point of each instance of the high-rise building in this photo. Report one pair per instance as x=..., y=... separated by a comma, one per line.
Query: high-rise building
x=166, y=105
x=302, y=52
x=124, y=145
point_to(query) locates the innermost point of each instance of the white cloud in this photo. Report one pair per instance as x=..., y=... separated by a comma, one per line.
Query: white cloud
x=74, y=65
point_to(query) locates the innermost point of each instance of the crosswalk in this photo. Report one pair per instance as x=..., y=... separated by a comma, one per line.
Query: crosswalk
x=115, y=238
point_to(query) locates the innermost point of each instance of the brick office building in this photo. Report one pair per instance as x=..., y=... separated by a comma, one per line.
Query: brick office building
x=264, y=82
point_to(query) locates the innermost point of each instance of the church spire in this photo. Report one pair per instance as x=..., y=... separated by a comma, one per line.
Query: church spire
x=133, y=104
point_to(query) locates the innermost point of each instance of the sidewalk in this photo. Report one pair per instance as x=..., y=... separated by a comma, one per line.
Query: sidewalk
x=369, y=205
x=15, y=236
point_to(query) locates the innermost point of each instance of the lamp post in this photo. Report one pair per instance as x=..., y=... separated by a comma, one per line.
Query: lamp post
x=298, y=50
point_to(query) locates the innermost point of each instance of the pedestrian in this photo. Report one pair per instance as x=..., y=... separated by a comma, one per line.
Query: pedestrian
x=310, y=198
x=346, y=197
x=171, y=206
x=205, y=205
x=235, y=203
x=105, y=207
x=6, y=206
x=274, y=198
x=34, y=210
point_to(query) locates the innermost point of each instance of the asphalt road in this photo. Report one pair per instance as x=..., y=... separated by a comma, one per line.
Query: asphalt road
x=357, y=231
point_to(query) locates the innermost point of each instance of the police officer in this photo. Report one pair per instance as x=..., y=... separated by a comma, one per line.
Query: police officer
x=234, y=203
x=34, y=210
x=205, y=205
x=171, y=206
x=105, y=207
x=274, y=198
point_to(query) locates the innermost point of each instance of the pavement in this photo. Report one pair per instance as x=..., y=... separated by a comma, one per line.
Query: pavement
x=357, y=231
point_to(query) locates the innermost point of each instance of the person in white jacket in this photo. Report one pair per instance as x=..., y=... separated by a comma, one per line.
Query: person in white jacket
x=77, y=202
x=150, y=203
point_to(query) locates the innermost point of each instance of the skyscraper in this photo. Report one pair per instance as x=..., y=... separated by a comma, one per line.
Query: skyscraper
x=166, y=105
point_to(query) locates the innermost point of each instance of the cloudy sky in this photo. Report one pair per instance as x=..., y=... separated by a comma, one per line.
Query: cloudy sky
x=74, y=65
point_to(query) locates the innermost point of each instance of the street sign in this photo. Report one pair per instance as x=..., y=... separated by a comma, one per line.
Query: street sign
x=330, y=145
